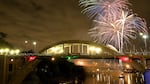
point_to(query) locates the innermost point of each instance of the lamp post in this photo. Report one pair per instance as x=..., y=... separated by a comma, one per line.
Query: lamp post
x=145, y=37
x=26, y=45
x=25, y=41
x=145, y=41
x=34, y=44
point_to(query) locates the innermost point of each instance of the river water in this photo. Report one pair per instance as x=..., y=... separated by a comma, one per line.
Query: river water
x=126, y=78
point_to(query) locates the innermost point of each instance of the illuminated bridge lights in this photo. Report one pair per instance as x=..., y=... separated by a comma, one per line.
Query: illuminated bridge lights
x=78, y=47
x=125, y=58
x=7, y=51
x=68, y=57
x=30, y=58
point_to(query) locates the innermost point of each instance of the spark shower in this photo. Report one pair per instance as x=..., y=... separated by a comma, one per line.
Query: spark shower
x=114, y=23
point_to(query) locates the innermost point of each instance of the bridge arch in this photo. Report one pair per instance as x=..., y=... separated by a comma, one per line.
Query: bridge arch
x=78, y=47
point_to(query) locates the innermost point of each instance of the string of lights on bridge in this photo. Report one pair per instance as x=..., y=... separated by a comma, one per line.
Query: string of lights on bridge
x=7, y=51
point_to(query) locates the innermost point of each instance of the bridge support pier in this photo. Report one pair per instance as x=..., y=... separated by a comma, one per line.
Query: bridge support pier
x=3, y=69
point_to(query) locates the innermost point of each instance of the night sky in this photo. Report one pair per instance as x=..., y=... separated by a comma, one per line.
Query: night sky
x=50, y=21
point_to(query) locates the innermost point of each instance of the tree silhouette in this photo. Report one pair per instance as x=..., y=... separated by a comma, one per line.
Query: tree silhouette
x=2, y=35
x=3, y=42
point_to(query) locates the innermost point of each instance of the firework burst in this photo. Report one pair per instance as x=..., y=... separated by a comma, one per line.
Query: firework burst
x=106, y=8
x=119, y=31
x=115, y=24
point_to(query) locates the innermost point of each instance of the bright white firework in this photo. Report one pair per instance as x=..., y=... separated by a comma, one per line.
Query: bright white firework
x=119, y=31
x=106, y=8
x=115, y=24
x=129, y=20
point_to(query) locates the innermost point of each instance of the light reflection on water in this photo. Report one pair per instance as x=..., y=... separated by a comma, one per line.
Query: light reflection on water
x=128, y=78
x=108, y=72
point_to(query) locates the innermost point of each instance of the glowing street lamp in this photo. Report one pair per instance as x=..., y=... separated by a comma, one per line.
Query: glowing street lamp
x=34, y=44
x=145, y=37
x=145, y=42
x=26, y=44
x=141, y=34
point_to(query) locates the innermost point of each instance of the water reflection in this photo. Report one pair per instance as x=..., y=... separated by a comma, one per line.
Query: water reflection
x=106, y=71
x=91, y=72
x=99, y=78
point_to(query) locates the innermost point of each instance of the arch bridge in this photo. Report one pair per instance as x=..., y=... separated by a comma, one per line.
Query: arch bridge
x=81, y=53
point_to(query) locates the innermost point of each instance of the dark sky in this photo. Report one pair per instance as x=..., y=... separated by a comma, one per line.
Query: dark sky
x=49, y=21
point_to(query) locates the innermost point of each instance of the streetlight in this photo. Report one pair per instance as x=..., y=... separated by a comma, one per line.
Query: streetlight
x=34, y=44
x=145, y=37
x=145, y=42
x=141, y=34
x=26, y=43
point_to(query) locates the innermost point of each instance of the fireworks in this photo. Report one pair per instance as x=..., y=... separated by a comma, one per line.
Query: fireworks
x=106, y=8
x=115, y=24
x=110, y=32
